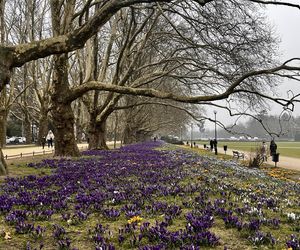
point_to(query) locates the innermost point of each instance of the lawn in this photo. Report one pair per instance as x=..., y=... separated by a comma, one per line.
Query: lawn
x=290, y=149
x=138, y=197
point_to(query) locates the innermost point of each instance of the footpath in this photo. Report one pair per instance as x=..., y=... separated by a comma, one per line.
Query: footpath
x=284, y=161
x=19, y=151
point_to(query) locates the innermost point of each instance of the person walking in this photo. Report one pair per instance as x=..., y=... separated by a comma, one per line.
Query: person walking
x=273, y=147
x=211, y=143
x=263, y=151
x=43, y=142
x=215, y=144
x=50, y=138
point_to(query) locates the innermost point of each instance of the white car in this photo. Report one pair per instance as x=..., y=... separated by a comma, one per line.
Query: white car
x=15, y=139
x=22, y=139
x=11, y=139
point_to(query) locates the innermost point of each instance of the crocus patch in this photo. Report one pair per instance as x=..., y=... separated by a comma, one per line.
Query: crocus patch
x=138, y=197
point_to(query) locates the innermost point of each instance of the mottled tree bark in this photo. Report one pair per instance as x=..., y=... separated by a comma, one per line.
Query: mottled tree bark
x=62, y=113
x=129, y=135
x=79, y=130
x=63, y=121
x=3, y=126
x=27, y=128
x=5, y=69
x=43, y=126
x=97, y=135
x=5, y=74
x=3, y=121
x=116, y=129
x=3, y=165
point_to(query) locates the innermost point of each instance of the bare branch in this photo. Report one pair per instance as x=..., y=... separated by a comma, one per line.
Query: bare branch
x=277, y=3
x=239, y=114
x=149, y=92
x=76, y=39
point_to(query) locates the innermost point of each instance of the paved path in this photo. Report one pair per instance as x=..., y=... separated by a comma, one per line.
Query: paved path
x=284, y=161
x=15, y=151
x=29, y=150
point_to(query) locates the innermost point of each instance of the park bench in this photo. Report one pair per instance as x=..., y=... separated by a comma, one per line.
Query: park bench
x=238, y=155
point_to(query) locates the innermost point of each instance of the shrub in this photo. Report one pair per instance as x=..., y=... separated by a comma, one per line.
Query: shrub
x=256, y=159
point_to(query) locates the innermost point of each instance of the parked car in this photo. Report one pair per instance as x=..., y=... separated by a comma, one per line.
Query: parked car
x=22, y=139
x=16, y=140
x=11, y=139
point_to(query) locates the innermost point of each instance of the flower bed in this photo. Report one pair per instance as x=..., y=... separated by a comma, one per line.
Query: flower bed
x=141, y=198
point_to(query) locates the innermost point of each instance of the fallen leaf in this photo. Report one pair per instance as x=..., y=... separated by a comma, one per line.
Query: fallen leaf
x=7, y=236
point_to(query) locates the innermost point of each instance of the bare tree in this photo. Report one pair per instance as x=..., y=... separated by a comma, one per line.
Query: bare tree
x=3, y=102
x=126, y=47
x=144, y=119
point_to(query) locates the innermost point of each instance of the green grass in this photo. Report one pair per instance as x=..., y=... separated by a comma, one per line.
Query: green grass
x=18, y=168
x=289, y=149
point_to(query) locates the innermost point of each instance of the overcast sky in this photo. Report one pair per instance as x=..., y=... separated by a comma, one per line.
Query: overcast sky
x=286, y=22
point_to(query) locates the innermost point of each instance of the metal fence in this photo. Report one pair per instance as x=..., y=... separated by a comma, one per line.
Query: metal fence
x=36, y=153
x=33, y=153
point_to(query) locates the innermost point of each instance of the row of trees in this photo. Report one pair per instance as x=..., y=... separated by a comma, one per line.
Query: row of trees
x=269, y=126
x=79, y=62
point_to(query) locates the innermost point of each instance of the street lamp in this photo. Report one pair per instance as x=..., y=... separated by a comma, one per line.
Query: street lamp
x=215, y=141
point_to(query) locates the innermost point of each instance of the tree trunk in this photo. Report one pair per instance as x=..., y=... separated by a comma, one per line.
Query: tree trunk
x=27, y=129
x=129, y=135
x=5, y=62
x=3, y=119
x=62, y=113
x=97, y=135
x=5, y=73
x=116, y=129
x=63, y=121
x=43, y=126
x=3, y=126
x=3, y=165
x=79, y=130
x=142, y=136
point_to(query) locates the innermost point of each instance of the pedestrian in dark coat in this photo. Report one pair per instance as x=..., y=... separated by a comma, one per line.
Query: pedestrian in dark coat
x=43, y=142
x=273, y=147
x=211, y=143
x=215, y=143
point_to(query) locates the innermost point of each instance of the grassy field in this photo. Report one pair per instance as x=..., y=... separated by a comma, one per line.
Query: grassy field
x=290, y=149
